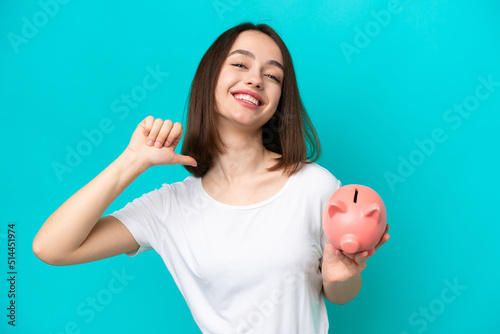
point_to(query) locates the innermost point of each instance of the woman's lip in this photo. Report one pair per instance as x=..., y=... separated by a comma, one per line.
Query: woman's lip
x=246, y=104
x=252, y=94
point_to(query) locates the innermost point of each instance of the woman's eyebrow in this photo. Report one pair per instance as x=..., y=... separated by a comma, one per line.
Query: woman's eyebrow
x=251, y=55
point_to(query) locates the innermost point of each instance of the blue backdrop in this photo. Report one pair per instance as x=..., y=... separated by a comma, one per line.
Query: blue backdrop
x=405, y=97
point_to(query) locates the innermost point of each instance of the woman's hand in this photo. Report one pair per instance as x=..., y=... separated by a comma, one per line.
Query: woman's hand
x=339, y=266
x=154, y=141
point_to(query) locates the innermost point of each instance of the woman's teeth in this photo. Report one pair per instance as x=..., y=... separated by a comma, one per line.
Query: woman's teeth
x=247, y=98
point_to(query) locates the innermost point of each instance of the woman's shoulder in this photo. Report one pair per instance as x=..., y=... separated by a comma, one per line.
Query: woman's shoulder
x=316, y=171
x=177, y=191
x=176, y=187
x=186, y=184
x=313, y=174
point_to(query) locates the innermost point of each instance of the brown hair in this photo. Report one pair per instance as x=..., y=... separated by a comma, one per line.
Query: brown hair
x=286, y=133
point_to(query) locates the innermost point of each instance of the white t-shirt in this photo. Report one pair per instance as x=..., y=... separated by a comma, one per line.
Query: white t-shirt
x=241, y=269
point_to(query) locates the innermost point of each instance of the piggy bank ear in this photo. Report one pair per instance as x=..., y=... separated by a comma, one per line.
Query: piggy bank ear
x=336, y=206
x=372, y=211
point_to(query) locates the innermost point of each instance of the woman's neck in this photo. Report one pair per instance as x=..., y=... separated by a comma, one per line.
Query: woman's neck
x=245, y=157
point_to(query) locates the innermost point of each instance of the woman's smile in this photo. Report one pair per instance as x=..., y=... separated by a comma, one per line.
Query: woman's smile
x=252, y=101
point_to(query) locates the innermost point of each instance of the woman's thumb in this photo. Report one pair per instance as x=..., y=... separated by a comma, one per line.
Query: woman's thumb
x=185, y=160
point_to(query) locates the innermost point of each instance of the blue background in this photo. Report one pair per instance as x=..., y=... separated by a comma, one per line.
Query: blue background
x=371, y=108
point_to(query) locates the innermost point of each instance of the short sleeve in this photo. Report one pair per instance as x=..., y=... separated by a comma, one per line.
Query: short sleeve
x=143, y=218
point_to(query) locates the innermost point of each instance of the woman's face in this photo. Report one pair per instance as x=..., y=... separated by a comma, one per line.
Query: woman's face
x=254, y=66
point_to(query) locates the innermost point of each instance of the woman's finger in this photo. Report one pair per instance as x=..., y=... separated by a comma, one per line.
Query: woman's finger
x=146, y=124
x=383, y=240
x=164, y=132
x=180, y=159
x=353, y=260
x=175, y=135
x=155, y=129
x=361, y=257
x=344, y=258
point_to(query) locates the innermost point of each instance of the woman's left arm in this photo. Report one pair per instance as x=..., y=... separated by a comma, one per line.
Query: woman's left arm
x=342, y=272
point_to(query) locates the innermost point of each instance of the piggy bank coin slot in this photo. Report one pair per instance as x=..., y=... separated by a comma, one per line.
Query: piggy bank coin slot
x=356, y=196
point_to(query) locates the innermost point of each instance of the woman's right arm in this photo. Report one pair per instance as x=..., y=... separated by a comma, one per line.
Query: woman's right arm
x=76, y=233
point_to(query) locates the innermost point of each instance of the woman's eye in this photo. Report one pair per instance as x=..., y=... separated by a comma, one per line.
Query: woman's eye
x=273, y=77
x=239, y=65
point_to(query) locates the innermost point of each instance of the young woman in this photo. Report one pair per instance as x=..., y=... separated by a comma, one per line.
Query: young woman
x=241, y=236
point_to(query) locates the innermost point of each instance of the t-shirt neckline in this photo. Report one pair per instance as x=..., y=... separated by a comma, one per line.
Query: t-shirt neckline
x=251, y=206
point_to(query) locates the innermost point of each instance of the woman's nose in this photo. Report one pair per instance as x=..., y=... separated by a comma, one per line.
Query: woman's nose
x=254, y=79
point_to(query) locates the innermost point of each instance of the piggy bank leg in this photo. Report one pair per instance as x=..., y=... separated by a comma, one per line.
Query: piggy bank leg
x=371, y=251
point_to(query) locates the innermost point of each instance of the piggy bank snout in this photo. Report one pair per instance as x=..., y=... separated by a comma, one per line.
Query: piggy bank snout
x=349, y=243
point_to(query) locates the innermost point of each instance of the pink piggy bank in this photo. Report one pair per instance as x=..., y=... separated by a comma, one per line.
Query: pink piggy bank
x=354, y=219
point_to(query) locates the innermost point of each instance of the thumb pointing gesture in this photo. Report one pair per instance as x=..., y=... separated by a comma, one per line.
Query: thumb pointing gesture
x=155, y=140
